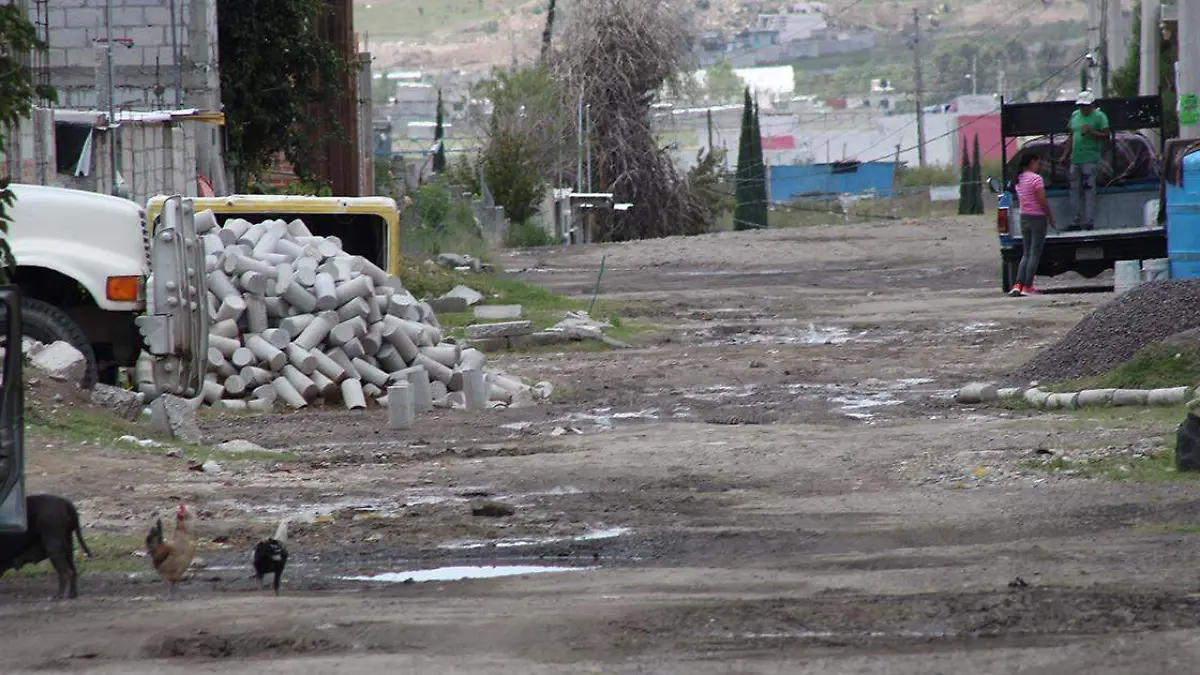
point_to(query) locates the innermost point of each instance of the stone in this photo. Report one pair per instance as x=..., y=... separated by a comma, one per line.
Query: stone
x=498, y=344
x=481, y=331
x=210, y=467
x=122, y=402
x=174, y=417
x=978, y=392
x=60, y=361
x=238, y=446
x=468, y=294
x=448, y=305
x=497, y=312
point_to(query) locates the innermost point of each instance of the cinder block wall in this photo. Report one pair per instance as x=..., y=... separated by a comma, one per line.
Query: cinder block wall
x=145, y=74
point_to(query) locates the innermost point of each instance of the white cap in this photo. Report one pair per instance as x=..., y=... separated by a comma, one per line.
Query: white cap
x=1086, y=97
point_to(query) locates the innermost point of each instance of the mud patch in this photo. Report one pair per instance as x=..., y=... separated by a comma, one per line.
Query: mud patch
x=212, y=647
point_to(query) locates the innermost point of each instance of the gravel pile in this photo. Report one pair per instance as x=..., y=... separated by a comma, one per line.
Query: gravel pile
x=1115, y=332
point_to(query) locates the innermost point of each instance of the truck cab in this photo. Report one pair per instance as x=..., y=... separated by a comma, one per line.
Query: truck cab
x=1128, y=222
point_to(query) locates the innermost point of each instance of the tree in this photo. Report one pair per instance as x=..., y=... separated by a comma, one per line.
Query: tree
x=548, y=32
x=275, y=70
x=1125, y=81
x=964, y=180
x=18, y=38
x=977, y=181
x=439, y=137
x=749, y=210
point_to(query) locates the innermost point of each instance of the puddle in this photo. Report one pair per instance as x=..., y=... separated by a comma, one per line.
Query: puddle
x=602, y=418
x=859, y=406
x=462, y=573
x=594, y=535
x=781, y=335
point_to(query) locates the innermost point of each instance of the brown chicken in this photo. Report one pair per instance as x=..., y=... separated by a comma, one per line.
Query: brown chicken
x=172, y=557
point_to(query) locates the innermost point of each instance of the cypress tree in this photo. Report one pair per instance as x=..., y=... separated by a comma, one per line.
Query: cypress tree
x=743, y=213
x=964, y=180
x=760, y=176
x=439, y=135
x=977, y=181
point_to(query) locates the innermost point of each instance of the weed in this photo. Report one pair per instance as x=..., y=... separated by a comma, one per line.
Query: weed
x=1154, y=367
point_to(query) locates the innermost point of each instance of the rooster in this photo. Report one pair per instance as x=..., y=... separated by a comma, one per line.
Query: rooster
x=172, y=557
x=270, y=556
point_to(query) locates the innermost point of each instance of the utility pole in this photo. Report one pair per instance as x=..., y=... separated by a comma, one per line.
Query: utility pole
x=974, y=75
x=1001, y=83
x=1187, y=69
x=113, y=129
x=919, y=94
x=1148, y=73
x=1103, y=51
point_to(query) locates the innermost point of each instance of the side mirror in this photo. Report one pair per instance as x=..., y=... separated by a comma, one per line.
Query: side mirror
x=993, y=185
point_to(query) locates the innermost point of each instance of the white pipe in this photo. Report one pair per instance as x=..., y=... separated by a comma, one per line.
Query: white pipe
x=326, y=291
x=288, y=393
x=352, y=394
x=302, y=382
x=370, y=373
x=301, y=358
x=266, y=352
x=328, y=367
x=256, y=313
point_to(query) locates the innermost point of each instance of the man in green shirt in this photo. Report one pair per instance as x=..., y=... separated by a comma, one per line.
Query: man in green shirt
x=1089, y=129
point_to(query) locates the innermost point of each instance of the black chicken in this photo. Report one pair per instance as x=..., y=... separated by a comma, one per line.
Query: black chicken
x=270, y=556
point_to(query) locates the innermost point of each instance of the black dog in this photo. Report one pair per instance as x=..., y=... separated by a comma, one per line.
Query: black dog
x=51, y=520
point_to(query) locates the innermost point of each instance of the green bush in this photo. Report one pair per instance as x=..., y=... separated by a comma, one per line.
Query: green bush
x=528, y=235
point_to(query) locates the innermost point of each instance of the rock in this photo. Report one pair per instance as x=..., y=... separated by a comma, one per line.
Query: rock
x=491, y=509
x=122, y=402
x=448, y=305
x=481, y=331
x=491, y=344
x=497, y=312
x=1187, y=444
x=467, y=294
x=455, y=261
x=174, y=417
x=236, y=446
x=542, y=338
x=210, y=467
x=29, y=347
x=61, y=361
x=542, y=390
x=978, y=392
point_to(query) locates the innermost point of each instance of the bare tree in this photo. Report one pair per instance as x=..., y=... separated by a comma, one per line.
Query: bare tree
x=618, y=56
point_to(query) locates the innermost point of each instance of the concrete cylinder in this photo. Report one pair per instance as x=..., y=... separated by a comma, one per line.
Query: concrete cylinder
x=1129, y=397
x=355, y=288
x=414, y=330
x=213, y=246
x=390, y=359
x=507, y=383
x=1036, y=397
x=297, y=228
x=288, y=393
x=242, y=357
x=260, y=405
x=326, y=292
x=227, y=329
x=403, y=306
x=255, y=283
x=253, y=234
x=220, y=285
x=256, y=313
x=436, y=370
x=433, y=334
x=1003, y=394
x=445, y=354
x=211, y=392
x=231, y=308
x=456, y=380
x=352, y=394
x=205, y=221
x=326, y=388
x=278, y=337
x=236, y=262
x=373, y=339
x=301, y=358
x=1095, y=397
x=472, y=359
x=306, y=272
x=303, y=383
x=295, y=325
x=316, y=331
x=232, y=404
x=357, y=307
x=370, y=373
x=266, y=392
x=271, y=236
x=235, y=386
x=339, y=357
x=266, y=352
x=290, y=248
x=977, y=392
x=347, y=330
x=276, y=307
x=500, y=394
x=375, y=307
x=395, y=335
x=400, y=406
x=1171, y=396
x=354, y=349
x=475, y=387
x=371, y=391
x=368, y=268
x=422, y=396
x=227, y=346
x=233, y=230
x=328, y=367
x=290, y=289
x=438, y=389
x=255, y=376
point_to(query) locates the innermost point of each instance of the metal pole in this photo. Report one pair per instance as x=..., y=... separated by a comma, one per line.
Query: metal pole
x=919, y=93
x=1150, y=37
x=579, y=145
x=1188, y=67
x=588, y=141
x=114, y=156
x=175, y=55
x=974, y=75
x=1103, y=51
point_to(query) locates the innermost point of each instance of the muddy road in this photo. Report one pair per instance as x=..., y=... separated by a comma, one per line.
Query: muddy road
x=775, y=480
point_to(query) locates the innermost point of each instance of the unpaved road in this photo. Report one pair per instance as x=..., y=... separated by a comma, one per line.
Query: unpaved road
x=776, y=482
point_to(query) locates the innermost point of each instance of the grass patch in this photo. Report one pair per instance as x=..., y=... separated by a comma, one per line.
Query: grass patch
x=79, y=427
x=1157, y=467
x=1154, y=367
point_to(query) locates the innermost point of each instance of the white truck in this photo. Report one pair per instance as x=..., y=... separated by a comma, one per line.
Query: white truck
x=84, y=263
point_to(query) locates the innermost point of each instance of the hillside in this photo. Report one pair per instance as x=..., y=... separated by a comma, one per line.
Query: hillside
x=473, y=34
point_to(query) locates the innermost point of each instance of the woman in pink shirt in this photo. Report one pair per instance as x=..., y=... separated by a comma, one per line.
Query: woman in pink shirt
x=1036, y=217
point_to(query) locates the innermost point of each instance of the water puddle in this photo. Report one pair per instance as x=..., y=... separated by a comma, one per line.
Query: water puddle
x=781, y=335
x=462, y=573
x=594, y=535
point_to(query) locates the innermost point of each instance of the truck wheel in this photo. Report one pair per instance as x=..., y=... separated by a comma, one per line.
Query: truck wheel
x=1008, y=275
x=46, y=323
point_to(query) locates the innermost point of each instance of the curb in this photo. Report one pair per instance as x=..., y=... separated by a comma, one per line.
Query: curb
x=982, y=392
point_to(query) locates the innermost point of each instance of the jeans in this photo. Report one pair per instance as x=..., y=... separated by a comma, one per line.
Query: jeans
x=1083, y=195
x=1033, y=238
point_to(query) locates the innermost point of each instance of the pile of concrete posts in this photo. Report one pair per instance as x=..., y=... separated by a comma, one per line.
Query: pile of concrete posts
x=296, y=320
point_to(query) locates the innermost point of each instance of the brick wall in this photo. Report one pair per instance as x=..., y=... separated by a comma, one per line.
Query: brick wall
x=145, y=73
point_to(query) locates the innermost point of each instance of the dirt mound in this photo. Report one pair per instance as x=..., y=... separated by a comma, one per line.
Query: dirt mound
x=1116, y=331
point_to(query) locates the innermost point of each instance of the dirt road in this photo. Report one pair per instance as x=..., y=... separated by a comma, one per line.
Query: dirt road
x=776, y=481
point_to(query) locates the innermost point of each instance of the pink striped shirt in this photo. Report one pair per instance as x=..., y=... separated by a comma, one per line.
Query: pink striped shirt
x=1028, y=184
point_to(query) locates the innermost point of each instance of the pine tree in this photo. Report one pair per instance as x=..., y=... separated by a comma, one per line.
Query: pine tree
x=760, y=176
x=743, y=210
x=977, y=181
x=964, y=180
x=439, y=135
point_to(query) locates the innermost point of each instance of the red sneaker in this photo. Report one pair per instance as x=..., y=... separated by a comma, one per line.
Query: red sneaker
x=1016, y=291
x=1029, y=290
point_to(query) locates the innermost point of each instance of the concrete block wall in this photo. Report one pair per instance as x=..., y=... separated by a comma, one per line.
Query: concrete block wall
x=144, y=73
x=29, y=149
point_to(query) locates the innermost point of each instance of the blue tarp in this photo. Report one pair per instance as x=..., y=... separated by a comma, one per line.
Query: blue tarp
x=827, y=181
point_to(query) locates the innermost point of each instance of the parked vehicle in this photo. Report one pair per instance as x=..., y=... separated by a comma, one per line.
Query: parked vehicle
x=12, y=409
x=1129, y=220
x=82, y=265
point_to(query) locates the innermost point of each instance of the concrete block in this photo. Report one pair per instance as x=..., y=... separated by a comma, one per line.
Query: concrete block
x=476, y=390
x=469, y=295
x=401, y=414
x=60, y=361
x=121, y=402
x=483, y=331
x=448, y=305
x=497, y=312
x=496, y=344
x=174, y=417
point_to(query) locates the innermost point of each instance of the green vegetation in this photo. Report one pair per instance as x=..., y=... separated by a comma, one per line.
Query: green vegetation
x=750, y=192
x=1154, y=367
x=1153, y=467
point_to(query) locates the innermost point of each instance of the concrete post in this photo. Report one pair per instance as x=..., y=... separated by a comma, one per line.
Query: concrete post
x=400, y=406
x=418, y=382
x=475, y=387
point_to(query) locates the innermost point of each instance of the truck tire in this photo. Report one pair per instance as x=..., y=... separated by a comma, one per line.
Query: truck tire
x=46, y=323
